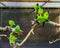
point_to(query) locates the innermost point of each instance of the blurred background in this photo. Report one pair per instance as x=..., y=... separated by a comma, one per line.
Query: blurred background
x=23, y=17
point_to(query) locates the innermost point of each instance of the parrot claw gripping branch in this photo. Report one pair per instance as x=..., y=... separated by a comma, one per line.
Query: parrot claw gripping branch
x=41, y=17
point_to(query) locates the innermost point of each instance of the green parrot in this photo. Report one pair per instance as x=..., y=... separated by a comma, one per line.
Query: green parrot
x=40, y=19
x=12, y=38
x=36, y=7
x=46, y=15
x=43, y=18
x=40, y=11
x=17, y=29
x=11, y=23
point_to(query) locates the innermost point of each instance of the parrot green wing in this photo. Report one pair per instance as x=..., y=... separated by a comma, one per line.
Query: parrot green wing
x=46, y=15
x=17, y=29
x=12, y=38
x=40, y=11
x=40, y=19
x=11, y=23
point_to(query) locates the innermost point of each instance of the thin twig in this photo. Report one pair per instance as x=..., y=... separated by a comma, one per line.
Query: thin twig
x=3, y=35
x=55, y=24
x=27, y=36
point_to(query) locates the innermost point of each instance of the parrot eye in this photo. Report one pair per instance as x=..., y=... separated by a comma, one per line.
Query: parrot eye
x=37, y=4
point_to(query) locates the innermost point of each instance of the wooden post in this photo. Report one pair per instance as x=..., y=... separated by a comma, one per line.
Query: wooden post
x=59, y=21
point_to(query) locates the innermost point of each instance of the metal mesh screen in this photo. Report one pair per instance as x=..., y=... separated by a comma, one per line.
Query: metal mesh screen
x=23, y=17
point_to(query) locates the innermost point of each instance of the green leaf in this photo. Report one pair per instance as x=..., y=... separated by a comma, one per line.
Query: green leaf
x=46, y=15
x=17, y=29
x=11, y=23
x=40, y=11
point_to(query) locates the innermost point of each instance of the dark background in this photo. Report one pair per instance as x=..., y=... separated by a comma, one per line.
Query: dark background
x=23, y=17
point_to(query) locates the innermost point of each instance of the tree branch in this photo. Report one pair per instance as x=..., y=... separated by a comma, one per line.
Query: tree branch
x=55, y=24
x=27, y=36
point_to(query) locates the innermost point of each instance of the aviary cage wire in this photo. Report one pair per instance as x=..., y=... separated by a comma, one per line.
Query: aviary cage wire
x=23, y=18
